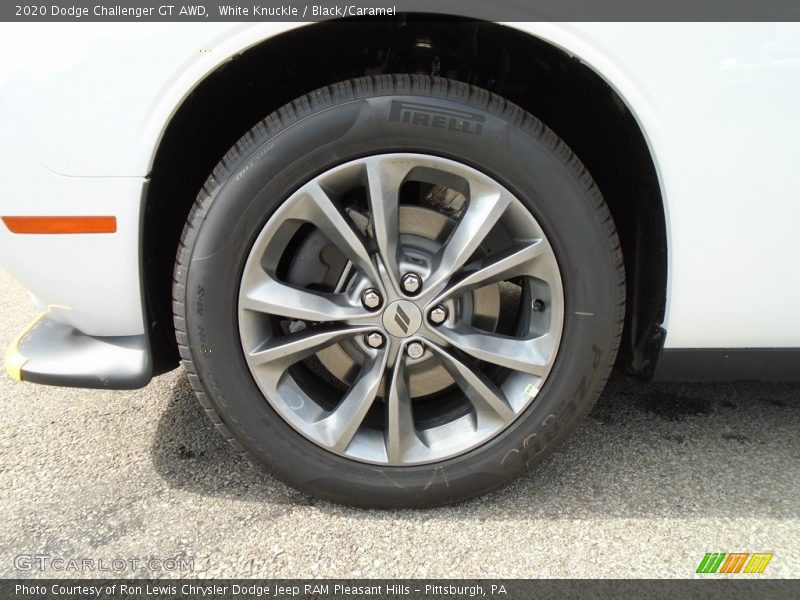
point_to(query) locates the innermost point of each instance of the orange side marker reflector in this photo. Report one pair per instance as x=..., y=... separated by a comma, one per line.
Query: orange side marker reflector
x=61, y=224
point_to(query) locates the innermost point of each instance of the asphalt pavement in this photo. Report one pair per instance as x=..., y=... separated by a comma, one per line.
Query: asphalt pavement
x=654, y=478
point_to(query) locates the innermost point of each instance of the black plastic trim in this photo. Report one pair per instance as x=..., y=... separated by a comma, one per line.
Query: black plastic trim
x=156, y=284
x=728, y=364
x=54, y=353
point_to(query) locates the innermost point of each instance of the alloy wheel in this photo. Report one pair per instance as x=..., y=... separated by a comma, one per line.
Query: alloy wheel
x=401, y=309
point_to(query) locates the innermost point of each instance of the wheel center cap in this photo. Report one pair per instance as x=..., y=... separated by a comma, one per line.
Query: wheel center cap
x=402, y=318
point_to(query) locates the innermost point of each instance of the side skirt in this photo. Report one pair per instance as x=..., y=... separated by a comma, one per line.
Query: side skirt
x=728, y=364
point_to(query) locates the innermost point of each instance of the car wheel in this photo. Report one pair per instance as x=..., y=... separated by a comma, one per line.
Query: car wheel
x=398, y=291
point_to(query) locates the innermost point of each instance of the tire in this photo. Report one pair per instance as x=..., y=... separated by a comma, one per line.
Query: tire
x=249, y=219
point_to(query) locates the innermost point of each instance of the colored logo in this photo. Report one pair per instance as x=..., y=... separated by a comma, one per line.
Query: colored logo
x=734, y=562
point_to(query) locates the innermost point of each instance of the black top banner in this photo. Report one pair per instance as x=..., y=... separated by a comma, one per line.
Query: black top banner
x=321, y=10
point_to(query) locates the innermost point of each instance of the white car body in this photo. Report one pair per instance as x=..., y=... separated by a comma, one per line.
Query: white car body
x=83, y=107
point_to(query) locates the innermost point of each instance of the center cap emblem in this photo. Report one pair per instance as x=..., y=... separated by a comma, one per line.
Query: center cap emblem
x=402, y=318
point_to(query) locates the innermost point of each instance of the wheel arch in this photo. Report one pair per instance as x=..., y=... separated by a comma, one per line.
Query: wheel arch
x=258, y=74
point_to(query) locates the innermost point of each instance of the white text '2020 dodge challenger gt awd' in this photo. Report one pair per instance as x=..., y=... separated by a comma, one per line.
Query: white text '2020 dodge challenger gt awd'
x=398, y=259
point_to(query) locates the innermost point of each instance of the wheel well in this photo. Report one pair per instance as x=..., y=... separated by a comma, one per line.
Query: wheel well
x=571, y=99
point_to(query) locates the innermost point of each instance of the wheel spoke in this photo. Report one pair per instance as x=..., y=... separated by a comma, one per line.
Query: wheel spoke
x=400, y=432
x=384, y=178
x=268, y=295
x=512, y=263
x=483, y=212
x=281, y=352
x=340, y=426
x=488, y=400
x=526, y=355
x=315, y=206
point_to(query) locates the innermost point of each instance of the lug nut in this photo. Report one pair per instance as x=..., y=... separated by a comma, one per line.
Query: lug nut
x=411, y=283
x=374, y=339
x=415, y=349
x=371, y=299
x=438, y=314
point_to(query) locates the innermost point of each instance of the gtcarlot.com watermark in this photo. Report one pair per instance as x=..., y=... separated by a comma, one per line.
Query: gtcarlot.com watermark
x=46, y=562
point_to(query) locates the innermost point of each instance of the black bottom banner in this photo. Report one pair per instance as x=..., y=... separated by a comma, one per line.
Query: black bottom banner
x=411, y=589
